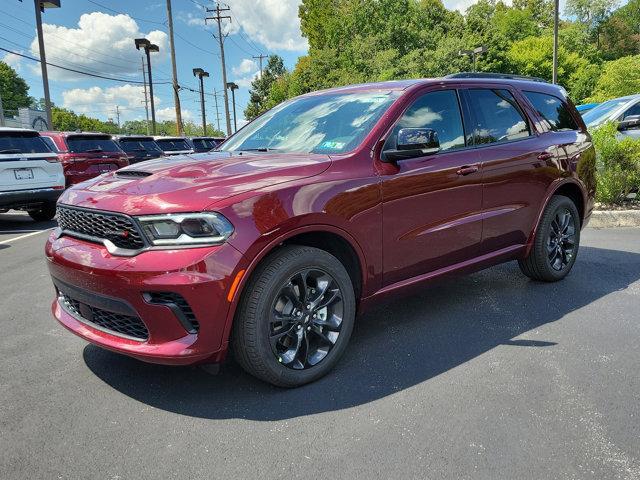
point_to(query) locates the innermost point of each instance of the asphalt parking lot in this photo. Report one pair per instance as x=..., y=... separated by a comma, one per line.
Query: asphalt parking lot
x=485, y=376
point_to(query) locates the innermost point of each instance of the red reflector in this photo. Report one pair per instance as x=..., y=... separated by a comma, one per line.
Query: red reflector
x=60, y=187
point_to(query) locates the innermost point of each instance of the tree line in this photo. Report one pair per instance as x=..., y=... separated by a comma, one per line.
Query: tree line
x=355, y=41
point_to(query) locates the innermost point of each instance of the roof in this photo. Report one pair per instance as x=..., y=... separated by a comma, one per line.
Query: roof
x=79, y=134
x=207, y=138
x=160, y=137
x=133, y=137
x=16, y=129
x=462, y=77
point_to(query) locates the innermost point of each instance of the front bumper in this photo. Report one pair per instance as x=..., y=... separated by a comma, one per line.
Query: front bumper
x=96, y=281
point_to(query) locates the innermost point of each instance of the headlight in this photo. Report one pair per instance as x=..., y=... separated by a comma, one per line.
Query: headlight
x=186, y=229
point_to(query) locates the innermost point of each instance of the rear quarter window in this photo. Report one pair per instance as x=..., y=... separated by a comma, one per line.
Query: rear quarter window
x=553, y=110
x=22, y=143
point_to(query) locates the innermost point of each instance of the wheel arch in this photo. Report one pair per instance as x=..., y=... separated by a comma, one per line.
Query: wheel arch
x=326, y=237
x=569, y=188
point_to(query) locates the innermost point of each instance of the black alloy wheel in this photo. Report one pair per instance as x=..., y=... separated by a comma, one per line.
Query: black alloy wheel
x=295, y=316
x=306, y=319
x=561, y=240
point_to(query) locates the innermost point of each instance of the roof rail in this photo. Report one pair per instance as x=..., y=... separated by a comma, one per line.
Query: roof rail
x=504, y=76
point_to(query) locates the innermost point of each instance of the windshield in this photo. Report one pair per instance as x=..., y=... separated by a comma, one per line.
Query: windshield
x=325, y=123
x=86, y=144
x=22, y=143
x=131, y=145
x=173, y=145
x=600, y=113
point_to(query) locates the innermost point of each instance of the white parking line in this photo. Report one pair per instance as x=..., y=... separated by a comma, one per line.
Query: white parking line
x=24, y=236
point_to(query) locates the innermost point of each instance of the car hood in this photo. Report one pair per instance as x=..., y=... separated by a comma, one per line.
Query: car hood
x=190, y=183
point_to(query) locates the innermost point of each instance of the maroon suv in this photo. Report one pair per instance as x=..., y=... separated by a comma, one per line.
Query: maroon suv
x=85, y=155
x=321, y=206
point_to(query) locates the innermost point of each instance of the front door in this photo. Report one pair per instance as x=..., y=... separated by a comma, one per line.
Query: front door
x=431, y=204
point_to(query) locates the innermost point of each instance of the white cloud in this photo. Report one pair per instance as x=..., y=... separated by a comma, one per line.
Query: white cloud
x=169, y=113
x=246, y=65
x=102, y=43
x=245, y=82
x=13, y=60
x=272, y=23
x=97, y=101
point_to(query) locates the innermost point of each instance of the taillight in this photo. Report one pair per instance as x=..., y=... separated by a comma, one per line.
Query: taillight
x=55, y=159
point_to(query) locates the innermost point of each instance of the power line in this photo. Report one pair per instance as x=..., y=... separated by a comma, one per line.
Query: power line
x=122, y=80
x=122, y=13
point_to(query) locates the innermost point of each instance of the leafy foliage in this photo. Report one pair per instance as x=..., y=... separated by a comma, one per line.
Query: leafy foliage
x=261, y=87
x=618, y=164
x=14, y=91
x=619, y=78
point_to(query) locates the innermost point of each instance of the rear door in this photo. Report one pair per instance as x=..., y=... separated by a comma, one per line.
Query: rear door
x=517, y=166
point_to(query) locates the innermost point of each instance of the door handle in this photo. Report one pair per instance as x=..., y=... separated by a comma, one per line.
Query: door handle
x=467, y=169
x=543, y=157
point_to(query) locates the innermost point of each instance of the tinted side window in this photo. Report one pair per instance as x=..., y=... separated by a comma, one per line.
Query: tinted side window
x=50, y=143
x=497, y=115
x=439, y=111
x=635, y=110
x=553, y=110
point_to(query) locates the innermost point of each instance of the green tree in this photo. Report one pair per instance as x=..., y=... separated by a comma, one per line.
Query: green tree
x=592, y=13
x=260, y=87
x=13, y=90
x=619, y=78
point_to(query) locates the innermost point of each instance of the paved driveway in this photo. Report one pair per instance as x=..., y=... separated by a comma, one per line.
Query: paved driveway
x=485, y=376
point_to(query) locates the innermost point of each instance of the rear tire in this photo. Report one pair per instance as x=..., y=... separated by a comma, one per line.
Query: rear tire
x=556, y=243
x=295, y=317
x=44, y=214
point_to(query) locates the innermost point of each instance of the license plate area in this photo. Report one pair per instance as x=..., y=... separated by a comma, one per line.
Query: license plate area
x=106, y=167
x=23, y=173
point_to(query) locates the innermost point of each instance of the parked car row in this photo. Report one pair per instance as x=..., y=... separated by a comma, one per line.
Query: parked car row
x=625, y=111
x=35, y=167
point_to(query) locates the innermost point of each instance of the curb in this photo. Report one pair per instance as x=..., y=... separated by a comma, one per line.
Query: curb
x=614, y=218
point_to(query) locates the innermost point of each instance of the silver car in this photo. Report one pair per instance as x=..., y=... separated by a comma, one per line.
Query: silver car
x=624, y=110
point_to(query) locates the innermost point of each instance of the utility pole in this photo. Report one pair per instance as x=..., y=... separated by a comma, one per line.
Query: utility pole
x=215, y=99
x=118, y=116
x=176, y=87
x=146, y=100
x=40, y=6
x=260, y=58
x=149, y=47
x=556, y=20
x=200, y=73
x=1, y=112
x=218, y=18
x=233, y=87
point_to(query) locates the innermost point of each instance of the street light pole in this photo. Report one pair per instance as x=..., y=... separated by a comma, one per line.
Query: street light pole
x=200, y=73
x=556, y=20
x=233, y=87
x=149, y=47
x=40, y=5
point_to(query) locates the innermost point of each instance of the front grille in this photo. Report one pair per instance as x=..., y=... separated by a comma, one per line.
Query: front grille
x=170, y=298
x=115, y=227
x=117, y=323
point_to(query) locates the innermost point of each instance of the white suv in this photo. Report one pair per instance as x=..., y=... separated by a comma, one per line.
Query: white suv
x=31, y=177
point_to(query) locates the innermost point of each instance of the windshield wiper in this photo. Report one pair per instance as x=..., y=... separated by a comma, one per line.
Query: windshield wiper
x=260, y=149
x=11, y=150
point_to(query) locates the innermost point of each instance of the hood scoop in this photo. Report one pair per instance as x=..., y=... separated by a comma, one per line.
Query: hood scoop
x=132, y=173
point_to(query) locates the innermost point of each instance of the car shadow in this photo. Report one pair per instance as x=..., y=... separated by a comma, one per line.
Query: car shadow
x=17, y=223
x=395, y=346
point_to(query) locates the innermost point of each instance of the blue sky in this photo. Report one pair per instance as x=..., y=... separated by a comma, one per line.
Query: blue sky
x=95, y=36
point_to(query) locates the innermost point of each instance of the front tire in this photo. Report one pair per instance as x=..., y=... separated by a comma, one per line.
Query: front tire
x=295, y=317
x=556, y=243
x=44, y=213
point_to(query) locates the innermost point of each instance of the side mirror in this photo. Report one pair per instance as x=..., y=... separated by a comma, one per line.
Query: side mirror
x=412, y=143
x=630, y=123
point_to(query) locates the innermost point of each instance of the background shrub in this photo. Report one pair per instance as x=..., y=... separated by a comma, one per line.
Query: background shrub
x=618, y=164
